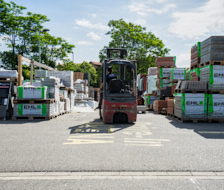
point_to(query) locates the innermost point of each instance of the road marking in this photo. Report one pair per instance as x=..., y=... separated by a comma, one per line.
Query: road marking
x=100, y=133
x=111, y=175
x=87, y=141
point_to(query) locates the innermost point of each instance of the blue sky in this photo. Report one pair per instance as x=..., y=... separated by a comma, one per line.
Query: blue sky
x=179, y=23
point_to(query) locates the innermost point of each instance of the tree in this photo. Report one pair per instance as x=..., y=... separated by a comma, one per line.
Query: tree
x=84, y=67
x=142, y=46
x=15, y=29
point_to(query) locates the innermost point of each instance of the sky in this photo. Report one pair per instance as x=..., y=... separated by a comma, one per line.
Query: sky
x=178, y=23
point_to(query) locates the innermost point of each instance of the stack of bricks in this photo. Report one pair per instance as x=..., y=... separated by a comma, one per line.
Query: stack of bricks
x=170, y=106
x=195, y=55
x=159, y=105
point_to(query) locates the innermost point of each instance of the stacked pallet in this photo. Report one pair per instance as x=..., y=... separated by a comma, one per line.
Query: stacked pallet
x=170, y=107
x=191, y=101
x=177, y=74
x=195, y=56
x=32, y=102
x=212, y=50
x=159, y=105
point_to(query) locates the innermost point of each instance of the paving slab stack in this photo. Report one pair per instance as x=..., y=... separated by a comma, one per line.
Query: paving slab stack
x=191, y=100
x=33, y=101
x=212, y=71
x=66, y=90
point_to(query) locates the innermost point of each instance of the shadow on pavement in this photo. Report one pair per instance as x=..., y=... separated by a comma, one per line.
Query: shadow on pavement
x=206, y=130
x=97, y=126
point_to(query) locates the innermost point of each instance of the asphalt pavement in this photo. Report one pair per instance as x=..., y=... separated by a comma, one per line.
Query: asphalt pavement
x=80, y=142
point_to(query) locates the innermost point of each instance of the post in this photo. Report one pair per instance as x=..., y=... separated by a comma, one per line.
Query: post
x=31, y=73
x=20, y=68
x=39, y=49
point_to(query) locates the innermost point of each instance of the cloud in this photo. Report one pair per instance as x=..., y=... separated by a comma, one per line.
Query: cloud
x=84, y=43
x=94, y=36
x=199, y=22
x=93, y=15
x=88, y=24
x=183, y=60
x=143, y=8
x=140, y=22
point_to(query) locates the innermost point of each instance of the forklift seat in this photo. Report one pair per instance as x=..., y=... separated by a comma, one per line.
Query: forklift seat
x=115, y=86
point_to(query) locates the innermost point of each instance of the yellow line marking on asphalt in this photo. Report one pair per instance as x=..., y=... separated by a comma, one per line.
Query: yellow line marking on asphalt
x=87, y=141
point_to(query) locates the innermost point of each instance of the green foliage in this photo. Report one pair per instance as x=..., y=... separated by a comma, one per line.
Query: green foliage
x=26, y=72
x=15, y=27
x=84, y=67
x=142, y=46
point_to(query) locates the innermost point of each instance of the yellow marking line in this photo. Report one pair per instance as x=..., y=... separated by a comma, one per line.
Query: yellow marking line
x=212, y=132
x=87, y=141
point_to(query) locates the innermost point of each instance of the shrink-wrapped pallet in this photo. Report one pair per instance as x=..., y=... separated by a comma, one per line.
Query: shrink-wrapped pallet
x=31, y=92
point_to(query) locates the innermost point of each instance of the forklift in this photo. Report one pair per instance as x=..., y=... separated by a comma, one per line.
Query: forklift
x=119, y=101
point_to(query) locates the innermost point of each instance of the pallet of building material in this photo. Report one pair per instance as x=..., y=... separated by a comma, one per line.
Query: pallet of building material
x=159, y=105
x=165, y=61
x=191, y=86
x=23, y=110
x=31, y=117
x=214, y=75
x=170, y=107
x=211, y=63
x=152, y=71
x=34, y=101
x=216, y=107
x=189, y=106
x=212, y=49
x=166, y=92
x=163, y=73
x=177, y=74
x=31, y=92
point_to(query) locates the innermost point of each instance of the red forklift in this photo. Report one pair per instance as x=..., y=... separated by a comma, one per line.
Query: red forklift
x=119, y=101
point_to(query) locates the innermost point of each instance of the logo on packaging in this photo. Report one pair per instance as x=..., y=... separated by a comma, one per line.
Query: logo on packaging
x=194, y=103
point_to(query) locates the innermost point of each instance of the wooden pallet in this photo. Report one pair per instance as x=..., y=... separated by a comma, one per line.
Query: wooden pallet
x=157, y=112
x=9, y=79
x=165, y=66
x=34, y=101
x=193, y=120
x=195, y=66
x=33, y=117
x=216, y=120
x=216, y=91
x=164, y=111
x=67, y=88
x=170, y=114
x=189, y=91
x=211, y=63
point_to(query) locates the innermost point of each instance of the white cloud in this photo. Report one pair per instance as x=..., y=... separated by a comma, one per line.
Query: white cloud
x=143, y=8
x=183, y=60
x=88, y=24
x=140, y=22
x=199, y=22
x=94, y=36
x=84, y=43
x=93, y=15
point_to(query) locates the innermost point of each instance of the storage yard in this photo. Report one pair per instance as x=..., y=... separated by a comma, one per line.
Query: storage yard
x=191, y=94
x=188, y=94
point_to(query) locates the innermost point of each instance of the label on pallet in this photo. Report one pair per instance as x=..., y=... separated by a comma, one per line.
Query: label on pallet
x=37, y=109
x=32, y=92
